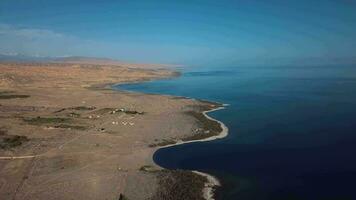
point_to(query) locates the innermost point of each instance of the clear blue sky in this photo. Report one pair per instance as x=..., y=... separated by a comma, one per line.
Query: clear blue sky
x=180, y=31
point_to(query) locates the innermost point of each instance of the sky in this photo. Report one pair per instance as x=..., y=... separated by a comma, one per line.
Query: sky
x=181, y=32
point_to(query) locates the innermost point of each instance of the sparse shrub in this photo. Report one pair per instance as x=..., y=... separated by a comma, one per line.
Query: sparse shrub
x=84, y=108
x=133, y=112
x=3, y=131
x=164, y=142
x=13, y=96
x=178, y=185
x=212, y=127
x=73, y=114
x=147, y=168
x=12, y=141
x=123, y=197
x=46, y=120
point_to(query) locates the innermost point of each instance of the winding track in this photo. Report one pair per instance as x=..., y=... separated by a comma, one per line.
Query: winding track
x=16, y=157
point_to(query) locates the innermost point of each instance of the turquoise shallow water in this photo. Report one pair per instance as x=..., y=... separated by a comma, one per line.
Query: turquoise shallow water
x=292, y=130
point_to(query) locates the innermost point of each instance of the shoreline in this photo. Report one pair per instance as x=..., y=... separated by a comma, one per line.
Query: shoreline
x=68, y=123
x=212, y=181
x=208, y=191
x=82, y=130
x=223, y=133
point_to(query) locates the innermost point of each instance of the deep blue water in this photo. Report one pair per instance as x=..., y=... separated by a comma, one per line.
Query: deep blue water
x=292, y=130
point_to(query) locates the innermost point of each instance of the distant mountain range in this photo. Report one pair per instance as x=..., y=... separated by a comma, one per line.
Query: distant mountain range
x=88, y=60
x=74, y=60
x=25, y=58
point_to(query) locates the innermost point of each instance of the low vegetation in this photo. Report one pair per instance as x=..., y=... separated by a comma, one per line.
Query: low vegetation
x=11, y=95
x=198, y=136
x=84, y=108
x=77, y=108
x=11, y=141
x=3, y=131
x=6, y=92
x=204, y=106
x=60, y=110
x=46, y=120
x=162, y=143
x=178, y=185
x=123, y=197
x=104, y=111
x=118, y=111
x=73, y=114
x=55, y=122
x=211, y=104
x=133, y=112
x=147, y=168
x=207, y=126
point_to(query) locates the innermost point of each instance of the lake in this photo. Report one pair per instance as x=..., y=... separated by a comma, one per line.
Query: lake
x=292, y=130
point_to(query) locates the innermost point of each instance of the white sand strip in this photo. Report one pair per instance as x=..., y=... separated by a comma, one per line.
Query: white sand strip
x=222, y=134
x=208, y=191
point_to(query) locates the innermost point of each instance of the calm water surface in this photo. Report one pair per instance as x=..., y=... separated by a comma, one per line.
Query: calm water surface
x=292, y=130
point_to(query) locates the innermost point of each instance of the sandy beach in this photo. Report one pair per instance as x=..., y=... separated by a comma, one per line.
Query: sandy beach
x=212, y=182
x=64, y=131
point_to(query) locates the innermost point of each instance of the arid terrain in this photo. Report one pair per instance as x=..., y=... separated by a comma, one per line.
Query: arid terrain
x=64, y=134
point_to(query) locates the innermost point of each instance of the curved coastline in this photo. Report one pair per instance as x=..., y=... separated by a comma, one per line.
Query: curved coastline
x=208, y=191
x=212, y=181
x=222, y=134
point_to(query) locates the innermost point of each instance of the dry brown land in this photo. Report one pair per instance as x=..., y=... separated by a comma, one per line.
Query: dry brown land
x=64, y=135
